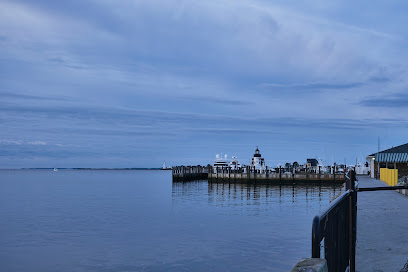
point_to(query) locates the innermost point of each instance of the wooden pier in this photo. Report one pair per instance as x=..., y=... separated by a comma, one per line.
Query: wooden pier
x=252, y=175
x=186, y=173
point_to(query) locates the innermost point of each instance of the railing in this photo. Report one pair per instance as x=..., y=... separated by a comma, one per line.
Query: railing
x=336, y=226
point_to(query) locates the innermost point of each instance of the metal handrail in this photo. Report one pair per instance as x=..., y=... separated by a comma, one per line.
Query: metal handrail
x=388, y=188
x=337, y=226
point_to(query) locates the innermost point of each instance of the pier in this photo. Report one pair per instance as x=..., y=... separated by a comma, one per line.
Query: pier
x=252, y=175
x=186, y=173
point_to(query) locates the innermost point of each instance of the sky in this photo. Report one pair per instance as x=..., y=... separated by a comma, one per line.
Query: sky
x=131, y=83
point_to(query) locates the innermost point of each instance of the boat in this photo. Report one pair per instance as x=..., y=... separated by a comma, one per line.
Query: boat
x=362, y=168
x=321, y=166
x=234, y=163
x=223, y=161
x=55, y=170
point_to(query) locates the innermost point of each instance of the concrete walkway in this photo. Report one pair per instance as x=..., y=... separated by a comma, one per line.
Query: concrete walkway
x=382, y=229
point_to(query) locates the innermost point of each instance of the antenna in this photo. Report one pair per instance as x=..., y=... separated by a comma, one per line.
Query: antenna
x=378, y=143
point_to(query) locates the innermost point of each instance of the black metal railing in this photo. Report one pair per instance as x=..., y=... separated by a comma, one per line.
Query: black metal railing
x=336, y=227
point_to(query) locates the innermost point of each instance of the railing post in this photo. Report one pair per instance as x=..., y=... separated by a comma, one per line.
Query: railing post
x=316, y=237
x=347, y=178
x=352, y=221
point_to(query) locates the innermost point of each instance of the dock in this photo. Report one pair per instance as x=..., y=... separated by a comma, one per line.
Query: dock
x=252, y=175
x=186, y=173
x=382, y=219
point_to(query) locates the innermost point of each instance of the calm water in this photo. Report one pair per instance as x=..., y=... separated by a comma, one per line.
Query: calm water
x=141, y=221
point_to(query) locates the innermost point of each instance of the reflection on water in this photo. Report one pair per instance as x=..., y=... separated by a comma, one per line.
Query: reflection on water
x=224, y=194
x=247, y=227
x=140, y=221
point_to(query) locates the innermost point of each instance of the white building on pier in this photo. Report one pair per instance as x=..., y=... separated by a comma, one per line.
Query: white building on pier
x=257, y=161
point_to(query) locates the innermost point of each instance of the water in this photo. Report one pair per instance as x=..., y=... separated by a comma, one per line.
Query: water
x=141, y=221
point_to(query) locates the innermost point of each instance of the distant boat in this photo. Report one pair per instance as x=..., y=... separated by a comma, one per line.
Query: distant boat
x=55, y=170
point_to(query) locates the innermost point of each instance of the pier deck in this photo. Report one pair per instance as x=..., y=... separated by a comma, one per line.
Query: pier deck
x=382, y=221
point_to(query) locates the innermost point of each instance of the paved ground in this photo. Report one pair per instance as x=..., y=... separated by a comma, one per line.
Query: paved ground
x=382, y=229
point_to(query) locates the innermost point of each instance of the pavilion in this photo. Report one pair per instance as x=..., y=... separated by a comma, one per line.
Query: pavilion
x=392, y=158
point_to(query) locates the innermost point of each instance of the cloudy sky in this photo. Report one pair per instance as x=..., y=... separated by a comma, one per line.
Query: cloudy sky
x=130, y=83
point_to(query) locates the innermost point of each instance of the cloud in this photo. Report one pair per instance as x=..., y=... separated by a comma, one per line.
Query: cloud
x=23, y=142
x=230, y=101
x=177, y=79
x=390, y=101
x=198, y=35
x=234, y=131
x=37, y=143
x=5, y=95
x=380, y=79
x=11, y=142
x=313, y=86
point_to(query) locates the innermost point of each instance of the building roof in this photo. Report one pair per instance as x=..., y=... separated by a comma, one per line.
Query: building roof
x=313, y=162
x=398, y=149
x=394, y=154
x=391, y=157
x=257, y=154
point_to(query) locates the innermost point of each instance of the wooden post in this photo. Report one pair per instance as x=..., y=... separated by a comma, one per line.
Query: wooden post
x=320, y=173
x=280, y=173
x=211, y=169
x=266, y=172
x=307, y=175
